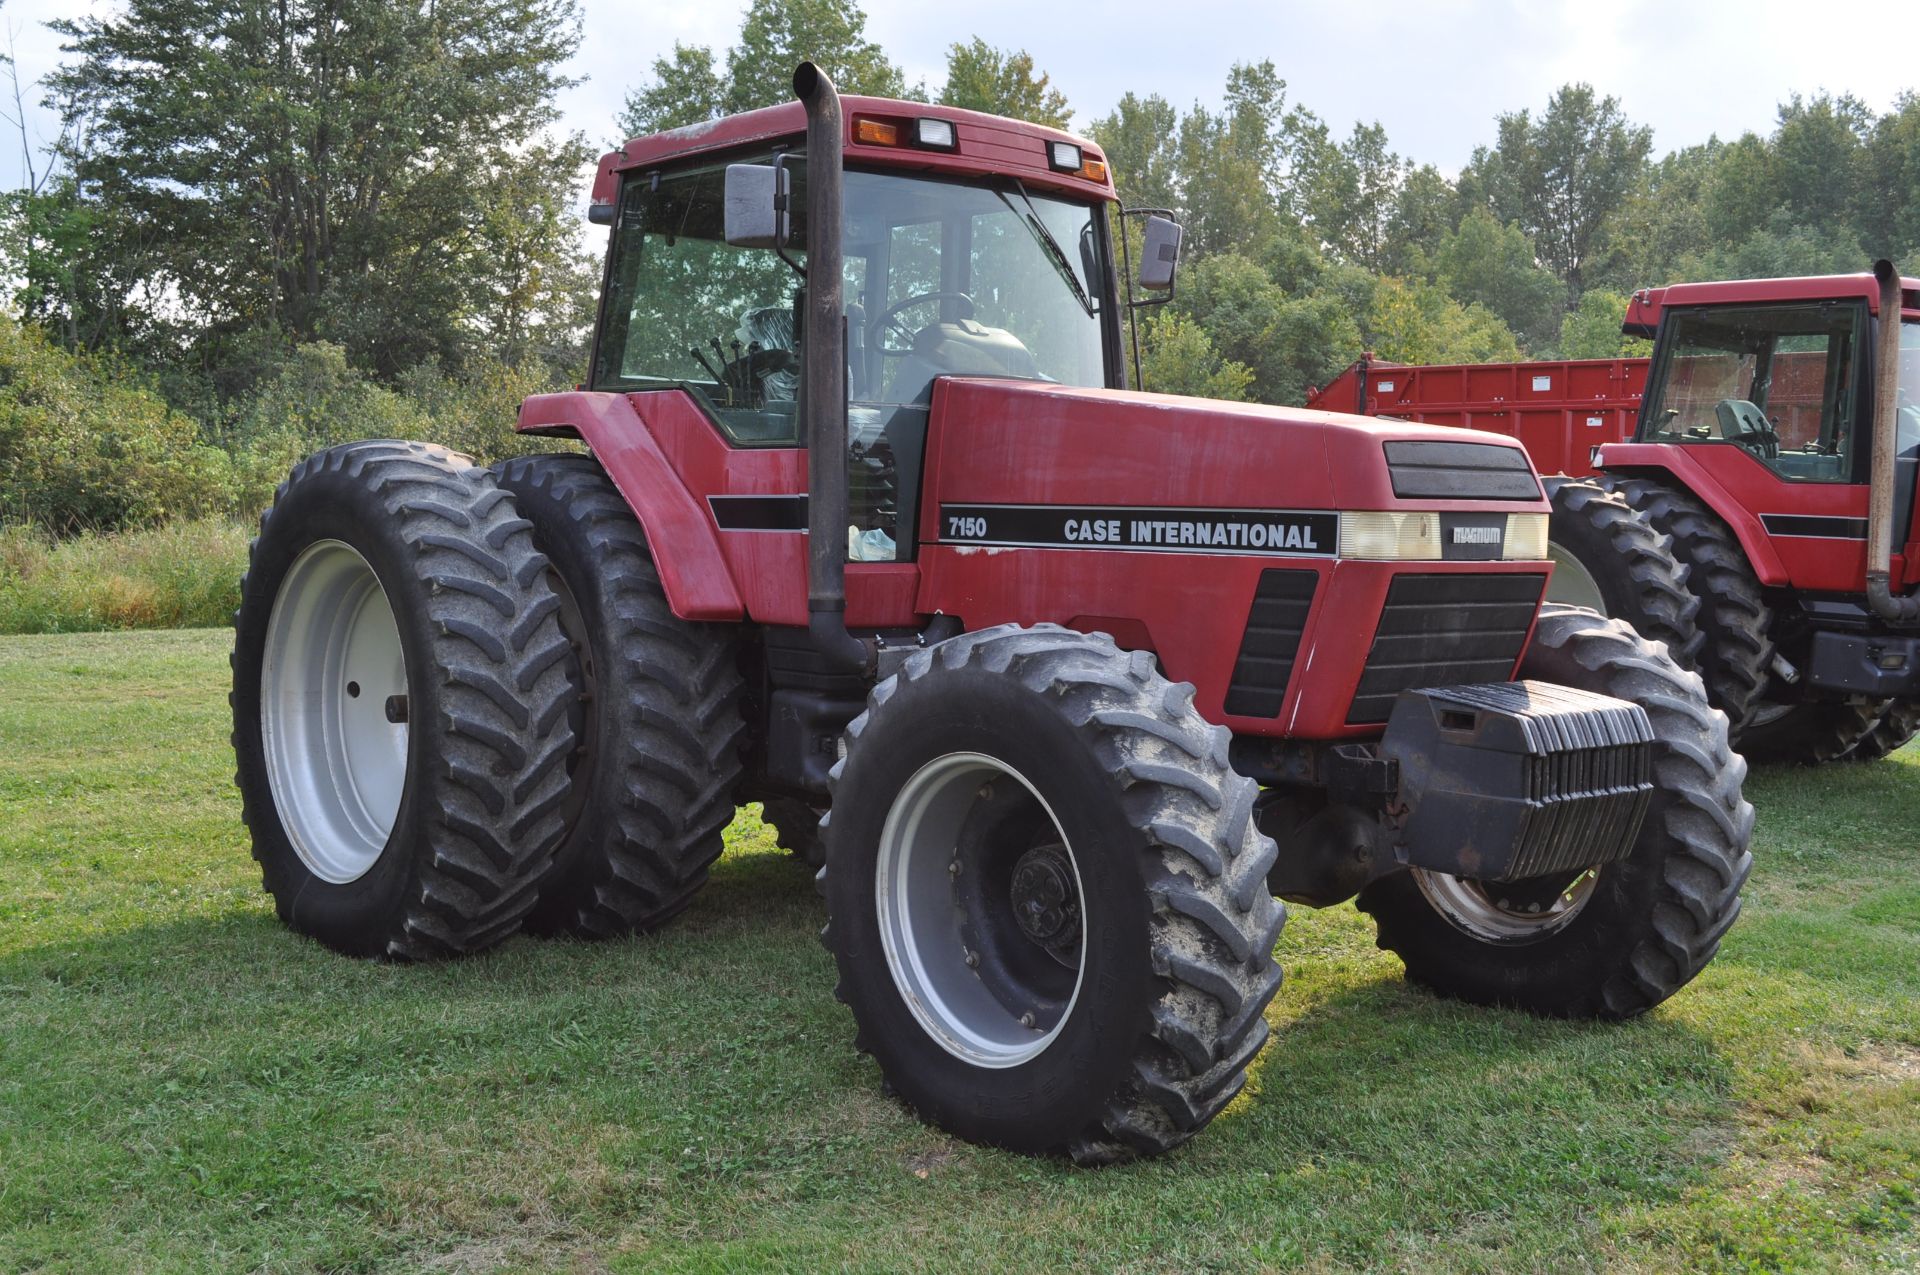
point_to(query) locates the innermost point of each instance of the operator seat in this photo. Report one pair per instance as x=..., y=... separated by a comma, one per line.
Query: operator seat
x=959, y=347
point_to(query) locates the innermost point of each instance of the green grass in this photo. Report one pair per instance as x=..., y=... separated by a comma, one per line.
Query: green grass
x=185, y=1085
x=180, y=575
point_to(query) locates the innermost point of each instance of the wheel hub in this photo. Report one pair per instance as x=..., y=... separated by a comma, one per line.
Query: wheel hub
x=1509, y=912
x=1045, y=905
x=979, y=904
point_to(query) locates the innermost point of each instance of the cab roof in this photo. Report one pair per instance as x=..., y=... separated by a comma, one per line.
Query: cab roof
x=1644, y=307
x=984, y=145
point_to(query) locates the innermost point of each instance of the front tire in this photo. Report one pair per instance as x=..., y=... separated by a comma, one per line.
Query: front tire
x=1892, y=731
x=1048, y=896
x=1617, y=940
x=399, y=701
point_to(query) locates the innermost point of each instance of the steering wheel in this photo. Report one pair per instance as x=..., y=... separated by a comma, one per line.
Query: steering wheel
x=888, y=320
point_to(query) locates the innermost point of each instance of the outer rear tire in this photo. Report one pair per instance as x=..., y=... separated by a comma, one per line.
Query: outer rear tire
x=1737, y=656
x=662, y=749
x=1650, y=922
x=1177, y=923
x=475, y=710
x=1608, y=558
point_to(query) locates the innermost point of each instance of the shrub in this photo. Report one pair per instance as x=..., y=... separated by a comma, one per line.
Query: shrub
x=84, y=445
x=182, y=575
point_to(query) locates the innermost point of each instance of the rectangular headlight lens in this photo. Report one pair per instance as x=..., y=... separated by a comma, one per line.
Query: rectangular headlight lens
x=1064, y=156
x=1526, y=538
x=1390, y=537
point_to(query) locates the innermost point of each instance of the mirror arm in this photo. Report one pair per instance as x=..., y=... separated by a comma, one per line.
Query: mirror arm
x=780, y=203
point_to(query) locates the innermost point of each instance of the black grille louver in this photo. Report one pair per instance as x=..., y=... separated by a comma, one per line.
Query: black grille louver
x=1460, y=471
x=1444, y=630
x=1274, y=625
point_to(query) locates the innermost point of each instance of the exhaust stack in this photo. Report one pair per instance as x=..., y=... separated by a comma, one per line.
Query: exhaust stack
x=1905, y=609
x=823, y=377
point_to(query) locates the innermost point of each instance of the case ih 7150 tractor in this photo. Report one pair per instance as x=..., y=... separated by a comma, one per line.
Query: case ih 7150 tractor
x=1745, y=461
x=870, y=531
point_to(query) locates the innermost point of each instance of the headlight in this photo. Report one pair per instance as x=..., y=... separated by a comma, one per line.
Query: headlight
x=1526, y=538
x=1419, y=536
x=1393, y=537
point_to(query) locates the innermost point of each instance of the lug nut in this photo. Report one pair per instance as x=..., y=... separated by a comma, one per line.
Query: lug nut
x=1026, y=1019
x=973, y=960
x=985, y=792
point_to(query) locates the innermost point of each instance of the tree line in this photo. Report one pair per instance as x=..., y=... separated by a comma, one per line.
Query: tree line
x=272, y=224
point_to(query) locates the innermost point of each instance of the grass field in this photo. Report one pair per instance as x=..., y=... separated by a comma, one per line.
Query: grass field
x=185, y=1085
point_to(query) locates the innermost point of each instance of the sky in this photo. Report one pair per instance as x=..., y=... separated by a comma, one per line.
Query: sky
x=1435, y=73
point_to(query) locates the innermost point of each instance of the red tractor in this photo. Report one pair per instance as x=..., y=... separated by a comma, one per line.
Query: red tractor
x=1736, y=477
x=1061, y=684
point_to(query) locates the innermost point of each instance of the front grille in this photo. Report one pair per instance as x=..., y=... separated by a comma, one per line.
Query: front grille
x=1460, y=471
x=1444, y=630
x=1274, y=625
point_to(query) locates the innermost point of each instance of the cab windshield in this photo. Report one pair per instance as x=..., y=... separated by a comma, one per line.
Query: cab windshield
x=943, y=277
x=964, y=277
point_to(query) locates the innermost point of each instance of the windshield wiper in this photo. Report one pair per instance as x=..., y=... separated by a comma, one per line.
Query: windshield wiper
x=1048, y=244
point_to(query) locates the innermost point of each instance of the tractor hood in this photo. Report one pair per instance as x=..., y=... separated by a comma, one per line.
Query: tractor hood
x=1116, y=448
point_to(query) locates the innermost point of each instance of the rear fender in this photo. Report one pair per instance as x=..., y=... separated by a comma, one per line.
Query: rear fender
x=1672, y=464
x=680, y=533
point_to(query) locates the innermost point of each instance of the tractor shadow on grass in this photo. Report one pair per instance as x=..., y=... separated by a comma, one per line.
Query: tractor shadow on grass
x=710, y=1062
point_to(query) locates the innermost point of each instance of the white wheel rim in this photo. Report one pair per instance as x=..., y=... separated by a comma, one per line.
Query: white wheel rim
x=1572, y=583
x=1475, y=907
x=921, y=923
x=336, y=765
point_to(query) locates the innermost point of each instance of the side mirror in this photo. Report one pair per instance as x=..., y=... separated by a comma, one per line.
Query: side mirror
x=756, y=206
x=1159, y=253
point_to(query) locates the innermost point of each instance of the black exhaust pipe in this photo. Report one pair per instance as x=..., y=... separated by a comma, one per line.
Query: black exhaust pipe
x=823, y=379
x=1904, y=610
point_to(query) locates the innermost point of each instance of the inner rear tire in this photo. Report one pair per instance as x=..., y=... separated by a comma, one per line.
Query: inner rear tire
x=1617, y=940
x=1048, y=896
x=796, y=828
x=663, y=727
x=1810, y=733
x=399, y=700
x=1890, y=732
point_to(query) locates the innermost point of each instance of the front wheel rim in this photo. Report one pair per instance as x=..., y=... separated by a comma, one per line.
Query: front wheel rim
x=979, y=900
x=1492, y=912
x=1571, y=583
x=334, y=711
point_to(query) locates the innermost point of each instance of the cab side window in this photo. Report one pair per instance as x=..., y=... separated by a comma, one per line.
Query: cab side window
x=684, y=308
x=1781, y=382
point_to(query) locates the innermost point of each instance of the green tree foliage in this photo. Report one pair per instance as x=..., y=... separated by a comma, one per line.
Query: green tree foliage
x=983, y=78
x=82, y=445
x=1592, y=329
x=1354, y=194
x=775, y=37
x=326, y=168
x=1413, y=322
x=1177, y=357
x=1563, y=175
x=1141, y=140
x=1490, y=264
